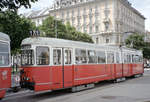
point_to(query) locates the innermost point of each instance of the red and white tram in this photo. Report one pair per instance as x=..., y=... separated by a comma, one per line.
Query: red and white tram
x=50, y=64
x=5, y=67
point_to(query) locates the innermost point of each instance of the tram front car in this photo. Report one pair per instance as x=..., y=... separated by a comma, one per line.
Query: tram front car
x=5, y=67
x=34, y=75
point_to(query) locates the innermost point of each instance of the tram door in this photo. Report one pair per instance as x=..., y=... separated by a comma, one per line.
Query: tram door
x=110, y=65
x=67, y=67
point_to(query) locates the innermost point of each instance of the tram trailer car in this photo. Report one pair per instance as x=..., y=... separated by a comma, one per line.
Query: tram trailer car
x=5, y=67
x=52, y=64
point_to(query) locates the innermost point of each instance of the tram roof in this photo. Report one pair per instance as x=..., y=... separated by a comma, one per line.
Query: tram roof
x=60, y=43
x=4, y=37
x=55, y=42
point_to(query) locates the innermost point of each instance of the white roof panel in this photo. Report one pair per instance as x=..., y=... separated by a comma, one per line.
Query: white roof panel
x=74, y=44
x=4, y=37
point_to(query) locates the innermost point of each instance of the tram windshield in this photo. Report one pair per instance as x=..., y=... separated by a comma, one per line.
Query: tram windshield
x=4, y=54
x=27, y=57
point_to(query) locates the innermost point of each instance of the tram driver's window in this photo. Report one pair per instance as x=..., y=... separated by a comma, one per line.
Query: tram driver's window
x=4, y=54
x=42, y=55
x=81, y=56
x=57, y=56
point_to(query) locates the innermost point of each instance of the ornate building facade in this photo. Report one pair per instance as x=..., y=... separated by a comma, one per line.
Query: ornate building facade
x=37, y=16
x=107, y=21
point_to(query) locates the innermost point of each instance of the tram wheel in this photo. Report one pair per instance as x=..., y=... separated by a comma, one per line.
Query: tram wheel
x=15, y=89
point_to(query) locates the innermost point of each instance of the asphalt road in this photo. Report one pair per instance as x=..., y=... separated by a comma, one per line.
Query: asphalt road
x=131, y=90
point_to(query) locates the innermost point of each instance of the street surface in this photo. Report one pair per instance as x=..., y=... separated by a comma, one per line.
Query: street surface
x=131, y=90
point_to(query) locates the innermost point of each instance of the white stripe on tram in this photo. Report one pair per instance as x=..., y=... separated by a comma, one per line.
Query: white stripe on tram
x=91, y=77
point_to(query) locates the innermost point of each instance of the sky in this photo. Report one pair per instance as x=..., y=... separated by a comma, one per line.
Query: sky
x=143, y=6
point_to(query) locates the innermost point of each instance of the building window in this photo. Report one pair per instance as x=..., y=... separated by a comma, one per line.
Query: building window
x=96, y=29
x=67, y=14
x=96, y=9
x=85, y=30
x=62, y=14
x=90, y=29
x=84, y=10
x=42, y=55
x=73, y=21
x=97, y=40
x=90, y=19
x=84, y=20
x=107, y=40
x=78, y=11
x=90, y=11
x=72, y=13
x=78, y=21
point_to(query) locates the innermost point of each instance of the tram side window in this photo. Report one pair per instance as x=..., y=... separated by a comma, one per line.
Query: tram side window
x=57, y=57
x=68, y=57
x=110, y=58
x=4, y=54
x=101, y=57
x=141, y=58
x=125, y=58
x=80, y=55
x=117, y=58
x=42, y=55
x=129, y=58
x=91, y=56
x=135, y=58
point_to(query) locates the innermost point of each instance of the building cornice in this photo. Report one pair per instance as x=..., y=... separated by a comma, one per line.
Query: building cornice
x=129, y=5
x=75, y=6
x=38, y=16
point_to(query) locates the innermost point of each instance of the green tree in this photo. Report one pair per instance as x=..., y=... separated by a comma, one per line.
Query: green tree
x=51, y=27
x=15, y=4
x=146, y=51
x=136, y=41
x=16, y=27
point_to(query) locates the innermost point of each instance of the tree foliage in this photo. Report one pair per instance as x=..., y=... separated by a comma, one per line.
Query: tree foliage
x=52, y=27
x=136, y=41
x=16, y=27
x=15, y=4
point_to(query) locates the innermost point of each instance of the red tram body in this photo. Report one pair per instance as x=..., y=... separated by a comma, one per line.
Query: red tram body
x=51, y=64
x=5, y=67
